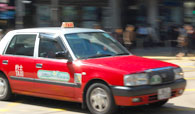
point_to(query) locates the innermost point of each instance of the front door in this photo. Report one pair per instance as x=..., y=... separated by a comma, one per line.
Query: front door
x=54, y=75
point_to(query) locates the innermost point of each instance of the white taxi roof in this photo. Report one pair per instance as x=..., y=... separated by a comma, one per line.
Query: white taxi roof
x=57, y=30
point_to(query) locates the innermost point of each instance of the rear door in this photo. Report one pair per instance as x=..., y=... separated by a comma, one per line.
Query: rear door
x=19, y=62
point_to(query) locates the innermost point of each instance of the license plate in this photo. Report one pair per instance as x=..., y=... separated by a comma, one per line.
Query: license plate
x=164, y=93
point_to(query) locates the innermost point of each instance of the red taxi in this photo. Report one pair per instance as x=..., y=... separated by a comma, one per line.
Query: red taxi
x=86, y=66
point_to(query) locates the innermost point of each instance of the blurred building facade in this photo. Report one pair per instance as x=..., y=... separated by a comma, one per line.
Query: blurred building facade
x=7, y=13
x=84, y=13
x=110, y=14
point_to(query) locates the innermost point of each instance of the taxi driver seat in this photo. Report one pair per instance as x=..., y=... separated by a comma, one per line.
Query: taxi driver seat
x=46, y=49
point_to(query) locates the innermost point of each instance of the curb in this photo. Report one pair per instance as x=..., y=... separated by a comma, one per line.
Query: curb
x=170, y=58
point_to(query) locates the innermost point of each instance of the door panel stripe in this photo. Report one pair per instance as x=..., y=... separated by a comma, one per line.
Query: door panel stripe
x=45, y=81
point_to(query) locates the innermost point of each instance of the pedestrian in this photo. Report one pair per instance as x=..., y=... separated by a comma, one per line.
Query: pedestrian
x=153, y=38
x=191, y=38
x=118, y=35
x=182, y=31
x=173, y=34
x=182, y=44
x=143, y=39
x=129, y=36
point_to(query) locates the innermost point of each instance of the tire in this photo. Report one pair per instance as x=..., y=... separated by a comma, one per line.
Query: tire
x=5, y=90
x=159, y=103
x=100, y=100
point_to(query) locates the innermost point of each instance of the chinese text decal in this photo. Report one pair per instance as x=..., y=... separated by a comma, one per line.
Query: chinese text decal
x=19, y=70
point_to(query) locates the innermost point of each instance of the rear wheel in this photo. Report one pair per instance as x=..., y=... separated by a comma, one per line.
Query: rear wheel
x=99, y=99
x=5, y=91
x=159, y=103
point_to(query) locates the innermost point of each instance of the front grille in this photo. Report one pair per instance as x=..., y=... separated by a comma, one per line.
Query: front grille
x=167, y=75
x=153, y=98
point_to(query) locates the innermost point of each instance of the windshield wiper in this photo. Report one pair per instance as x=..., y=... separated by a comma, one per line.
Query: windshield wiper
x=123, y=54
x=100, y=55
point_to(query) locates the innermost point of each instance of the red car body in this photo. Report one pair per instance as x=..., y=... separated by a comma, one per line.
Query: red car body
x=109, y=70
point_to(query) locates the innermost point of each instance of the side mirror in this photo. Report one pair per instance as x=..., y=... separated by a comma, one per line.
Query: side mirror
x=62, y=55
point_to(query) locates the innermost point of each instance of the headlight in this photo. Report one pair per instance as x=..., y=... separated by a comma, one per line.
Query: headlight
x=178, y=73
x=136, y=79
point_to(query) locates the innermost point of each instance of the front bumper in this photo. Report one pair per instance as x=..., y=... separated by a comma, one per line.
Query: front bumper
x=123, y=95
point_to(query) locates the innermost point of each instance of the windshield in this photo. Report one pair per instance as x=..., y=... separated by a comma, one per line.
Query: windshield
x=94, y=45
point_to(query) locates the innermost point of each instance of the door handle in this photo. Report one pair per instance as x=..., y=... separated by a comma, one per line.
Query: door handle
x=5, y=62
x=39, y=65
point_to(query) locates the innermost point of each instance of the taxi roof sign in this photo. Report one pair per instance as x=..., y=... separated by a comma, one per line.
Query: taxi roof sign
x=67, y=25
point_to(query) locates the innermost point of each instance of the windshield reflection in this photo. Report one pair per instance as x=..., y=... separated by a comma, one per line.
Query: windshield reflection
x=94, y=45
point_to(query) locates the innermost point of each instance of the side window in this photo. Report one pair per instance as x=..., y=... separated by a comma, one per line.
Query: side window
x=22, y=45
x=51, y=49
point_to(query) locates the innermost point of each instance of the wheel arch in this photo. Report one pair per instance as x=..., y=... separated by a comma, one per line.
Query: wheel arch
x=1, y=72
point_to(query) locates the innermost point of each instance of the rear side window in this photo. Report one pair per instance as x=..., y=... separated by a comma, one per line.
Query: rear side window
x=22, y=45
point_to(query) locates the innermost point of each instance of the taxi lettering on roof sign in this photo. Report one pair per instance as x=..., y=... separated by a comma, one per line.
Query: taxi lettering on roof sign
x=67, y=25
x=86, y=66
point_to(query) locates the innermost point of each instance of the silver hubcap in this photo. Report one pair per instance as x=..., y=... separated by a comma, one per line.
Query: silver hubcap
x=3, y=87
x=99, y=99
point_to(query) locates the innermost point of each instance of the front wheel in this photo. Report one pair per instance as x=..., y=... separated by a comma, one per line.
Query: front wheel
x=99, y=99
x=159, y=103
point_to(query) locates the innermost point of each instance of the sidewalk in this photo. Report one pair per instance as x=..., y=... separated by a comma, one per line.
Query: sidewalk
x=161, y=53
x=167, y=54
